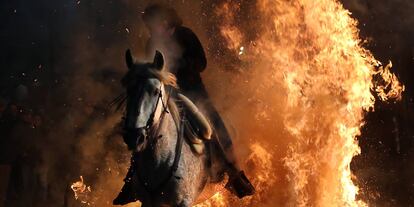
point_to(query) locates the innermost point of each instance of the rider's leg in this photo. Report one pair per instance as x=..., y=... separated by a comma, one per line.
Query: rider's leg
x=200, y=97
x=221, y=134
x=238, y=182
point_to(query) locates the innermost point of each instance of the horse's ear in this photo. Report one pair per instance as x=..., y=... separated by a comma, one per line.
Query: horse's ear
x=129, y=59
x=158, y=60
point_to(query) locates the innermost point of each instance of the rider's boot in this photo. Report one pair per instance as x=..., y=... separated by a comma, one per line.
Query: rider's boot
x=238, y=183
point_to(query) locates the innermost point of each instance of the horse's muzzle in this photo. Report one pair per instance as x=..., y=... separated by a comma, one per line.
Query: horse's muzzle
x=141, y=141
x=135, y=139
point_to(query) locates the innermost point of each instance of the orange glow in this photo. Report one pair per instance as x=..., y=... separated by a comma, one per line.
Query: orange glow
x=311, y=51
x=261, y=174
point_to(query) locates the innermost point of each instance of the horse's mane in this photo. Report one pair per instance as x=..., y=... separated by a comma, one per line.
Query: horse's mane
x=164, y=76
x=168, y=79
x=135, y=74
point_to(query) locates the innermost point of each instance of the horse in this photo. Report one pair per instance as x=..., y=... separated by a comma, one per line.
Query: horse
x=166, y=170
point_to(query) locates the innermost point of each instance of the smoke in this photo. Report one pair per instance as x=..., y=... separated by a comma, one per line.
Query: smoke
x=80, y=47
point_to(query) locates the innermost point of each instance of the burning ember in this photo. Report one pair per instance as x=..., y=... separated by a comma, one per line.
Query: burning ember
x=81, y=191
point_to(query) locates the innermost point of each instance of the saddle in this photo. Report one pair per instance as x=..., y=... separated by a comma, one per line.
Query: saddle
x=197, y=128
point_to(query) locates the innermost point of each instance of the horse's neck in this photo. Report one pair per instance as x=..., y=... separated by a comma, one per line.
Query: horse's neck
x=166, y=123
x=174, y=111
x=163, y=141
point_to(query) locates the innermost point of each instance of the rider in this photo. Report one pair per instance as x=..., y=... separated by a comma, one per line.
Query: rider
x=186, y=59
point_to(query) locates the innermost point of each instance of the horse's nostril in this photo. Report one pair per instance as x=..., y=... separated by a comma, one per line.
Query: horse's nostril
x=140, y=140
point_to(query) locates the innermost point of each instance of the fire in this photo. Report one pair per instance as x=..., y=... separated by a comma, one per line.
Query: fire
x=311, y=51
x=391, y=88
x=260, y=169
x=218, y=199
x=228, y=29
x=81, y=191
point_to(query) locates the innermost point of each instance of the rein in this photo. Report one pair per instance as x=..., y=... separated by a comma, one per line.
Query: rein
x=164, y=107
x=180, y=137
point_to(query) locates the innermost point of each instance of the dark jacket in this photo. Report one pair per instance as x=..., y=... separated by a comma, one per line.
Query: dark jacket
x=190, y=63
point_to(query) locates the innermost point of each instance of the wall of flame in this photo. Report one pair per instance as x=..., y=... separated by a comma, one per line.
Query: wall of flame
x=305, y=83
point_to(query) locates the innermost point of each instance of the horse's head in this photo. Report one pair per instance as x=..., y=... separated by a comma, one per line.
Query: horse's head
x=146, y=97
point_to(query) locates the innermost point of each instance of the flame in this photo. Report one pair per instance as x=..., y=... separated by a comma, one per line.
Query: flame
x=312, y=50
x=81, y=191
x=228, y=29
x=260, y=169
x=391, y=88
x=219, y=199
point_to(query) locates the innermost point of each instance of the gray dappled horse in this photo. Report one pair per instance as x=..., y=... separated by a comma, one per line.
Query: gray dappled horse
x=166, y=169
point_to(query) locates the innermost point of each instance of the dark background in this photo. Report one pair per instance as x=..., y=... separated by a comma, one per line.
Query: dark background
x=53, y=84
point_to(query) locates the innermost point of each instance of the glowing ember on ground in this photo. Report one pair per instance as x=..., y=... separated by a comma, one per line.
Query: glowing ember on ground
x=81, y=191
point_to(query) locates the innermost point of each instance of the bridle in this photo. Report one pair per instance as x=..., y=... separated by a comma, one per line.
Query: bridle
x=180, y=135
x=150, y=122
